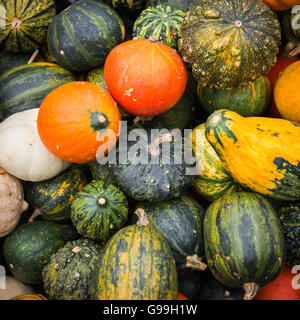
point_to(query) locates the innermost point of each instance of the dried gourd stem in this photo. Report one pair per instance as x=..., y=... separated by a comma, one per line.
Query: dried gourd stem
x=194, y=262
x=251, y=289
x=290, y=50
x=153, y=39
x=36, y=213
x=25, y=206
x=34, y=55
x=102, y=201
x=154, y=149
x=142, y=119
x=295, y=52
x=143, y=221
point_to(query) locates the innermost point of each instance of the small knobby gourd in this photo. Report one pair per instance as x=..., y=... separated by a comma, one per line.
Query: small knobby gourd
x=14, y=288
x=256, y=151
x=12, y=202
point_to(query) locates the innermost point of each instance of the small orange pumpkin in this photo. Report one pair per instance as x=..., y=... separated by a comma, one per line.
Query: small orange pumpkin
x=280, y=5
x=75, y=119
x=145, y=77
x=287, y=92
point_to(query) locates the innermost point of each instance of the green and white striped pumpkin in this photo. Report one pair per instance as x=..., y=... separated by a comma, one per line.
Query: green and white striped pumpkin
x=25, y=23
x=161, y=23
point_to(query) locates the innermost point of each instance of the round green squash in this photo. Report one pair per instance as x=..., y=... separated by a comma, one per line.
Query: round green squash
x=9, y=60
x=26, y=86
x=29, y=247
x=52, y=198
x=212, y=180
x=229, y=44
x=26, y=24
x=101, y=172
x=180, y=222
x=99, y=210
x=249, y=101
x=181, y=116
x=154, y=169
x=184, y=5
x=68, y=273
x=244, y=241
x=136, y=264
x=97, y=76
x=290, y=220
x=81, y=36
x=160, y=23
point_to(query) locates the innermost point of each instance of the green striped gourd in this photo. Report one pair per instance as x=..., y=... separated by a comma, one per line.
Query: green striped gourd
x=160, y=23
x=136, y=264
x=52, y=198
x=26, y=24
x=180, y=222
x=26, y=86
x=99, y=210
x=244, y=241
x=81, y=37
x=249, y=101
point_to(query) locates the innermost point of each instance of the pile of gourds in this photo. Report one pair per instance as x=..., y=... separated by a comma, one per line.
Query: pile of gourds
x=81, y=79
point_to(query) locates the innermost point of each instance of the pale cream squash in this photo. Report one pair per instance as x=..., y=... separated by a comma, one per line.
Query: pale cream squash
x=14, y=288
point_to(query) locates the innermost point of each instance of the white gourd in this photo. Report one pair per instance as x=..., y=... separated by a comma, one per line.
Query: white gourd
x=22, y=153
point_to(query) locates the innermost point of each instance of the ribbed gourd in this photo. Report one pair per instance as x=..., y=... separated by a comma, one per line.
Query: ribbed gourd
x=244, y=241
x=52, y=198
x=99, y=210
x=25, y=24
x=161, y=23
x=229, y=44
x=180, y=222
x=212, y=180
x=290, y=220
x=256, y=151
x=136, y=264
x=68, y=273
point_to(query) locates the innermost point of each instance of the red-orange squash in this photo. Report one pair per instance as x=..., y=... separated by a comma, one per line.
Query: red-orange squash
x=280, y=5
x=75, y=119
x=181, y=297
x=282, y=287
x=287, y=93
x=145, y=77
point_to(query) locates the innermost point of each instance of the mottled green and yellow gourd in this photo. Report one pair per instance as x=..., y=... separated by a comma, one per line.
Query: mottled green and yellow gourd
x=68, y=273
x=260, y=153
x=229, y=44
x=25, y=24
x=160, y=23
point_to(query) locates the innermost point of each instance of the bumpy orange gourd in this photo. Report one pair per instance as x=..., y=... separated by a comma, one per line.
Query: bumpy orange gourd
x=287, y=92
x=145, y=77
x=280, y=5
x=76, y=119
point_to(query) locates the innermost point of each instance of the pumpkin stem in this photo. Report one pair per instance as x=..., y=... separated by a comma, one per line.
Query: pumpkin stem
x=25, y=206
x=102, y=201
x=251, y=289
x=194, y=262
x=34, y=55
x=143, y=221
x=153, y=148
x=15, y=23
x=36, y=213
x=153, y=39
x=295, y=52
x=290, y=50
x=142, y=119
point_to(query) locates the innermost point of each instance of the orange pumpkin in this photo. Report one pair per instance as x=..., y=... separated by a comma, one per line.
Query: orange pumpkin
x=287, y=93
x=77, y=118
x=145, y=77
x=280, y=5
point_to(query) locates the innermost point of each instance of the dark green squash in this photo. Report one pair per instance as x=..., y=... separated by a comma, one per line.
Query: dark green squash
x=161, y=23
x=68, y=273
x=290, y=220
x=99, y=210
x=229, y=44
x=150, y=173
x=81, y=37
x=184, y=5
x=180, y=222
x=26, y=24
x=29, y=247
x=101, y=172
x=52, y=198
x=249, y=101
x=136, y=264
x=244, y=241
x=25, y=87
